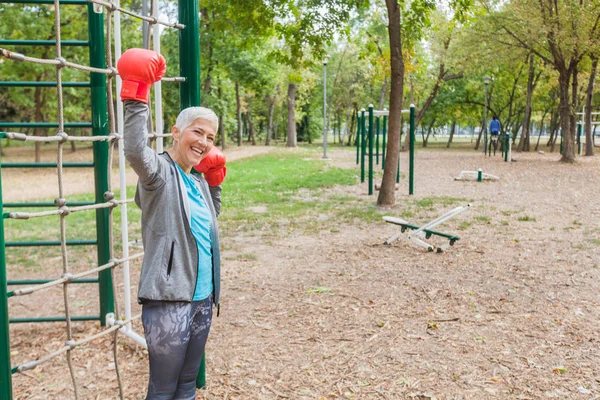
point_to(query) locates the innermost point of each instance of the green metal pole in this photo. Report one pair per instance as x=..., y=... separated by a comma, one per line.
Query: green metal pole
x=5, y=373
x=479, y=175
x=383, y=149
x=411, y=173
x=357, y=138
x=189, y=54
x=377, y=140
x=363, y=145
x=100, y=151
x=371, y=140
x=189, y=68
x=506, y=144
x=579, y=139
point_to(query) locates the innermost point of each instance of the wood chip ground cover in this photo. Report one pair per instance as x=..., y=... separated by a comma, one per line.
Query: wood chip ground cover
x=509, y=312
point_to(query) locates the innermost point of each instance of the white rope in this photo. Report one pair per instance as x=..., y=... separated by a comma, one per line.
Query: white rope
x=64, y=210
x=70, y=277
x=115, y=7
x=64, y=63
x=59, y=62
x=69, y=345
x=61, y=137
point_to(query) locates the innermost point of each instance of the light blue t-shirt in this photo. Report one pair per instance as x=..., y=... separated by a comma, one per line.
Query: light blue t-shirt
x=200, y=224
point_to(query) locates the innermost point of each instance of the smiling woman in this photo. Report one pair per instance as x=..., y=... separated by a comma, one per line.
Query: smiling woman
x=180, y=277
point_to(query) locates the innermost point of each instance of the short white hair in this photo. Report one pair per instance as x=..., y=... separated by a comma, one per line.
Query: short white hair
x=187, y=116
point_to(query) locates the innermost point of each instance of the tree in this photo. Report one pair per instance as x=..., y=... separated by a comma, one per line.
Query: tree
x=401, y=32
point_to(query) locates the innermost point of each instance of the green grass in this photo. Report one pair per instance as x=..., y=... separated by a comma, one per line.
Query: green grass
x=275, y=194
x=439, y=202
x=288, y=190
x=526, y=218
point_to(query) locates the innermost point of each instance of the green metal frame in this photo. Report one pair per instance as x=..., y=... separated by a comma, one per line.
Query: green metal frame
x=383, y=149
x=100, y=151
x=189, y=45
x=429, y=232
x=189, y=68
x=371, y=137
x=99, y=127
x=411, y=166
x=5, y=368
x=372, y=141
x=363, y=144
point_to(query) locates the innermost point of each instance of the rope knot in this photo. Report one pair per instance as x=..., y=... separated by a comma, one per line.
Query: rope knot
x=64, y=210
x=63, y=136
x=112, y=7
x=68, y=276
x=71, y=344
x=108, y=196
x=60, y=202
x=61, y=62
x=112, y=71
x=114, y=136
x=153, y=20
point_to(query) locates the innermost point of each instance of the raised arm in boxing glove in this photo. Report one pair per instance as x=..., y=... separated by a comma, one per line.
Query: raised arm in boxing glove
x=213, y=167
x=139, y=69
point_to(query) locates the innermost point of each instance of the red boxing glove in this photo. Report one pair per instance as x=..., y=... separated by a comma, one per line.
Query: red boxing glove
x=139, y=69
x=213, y=167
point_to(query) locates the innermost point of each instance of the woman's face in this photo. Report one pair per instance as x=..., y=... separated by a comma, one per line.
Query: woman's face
x=193, y=143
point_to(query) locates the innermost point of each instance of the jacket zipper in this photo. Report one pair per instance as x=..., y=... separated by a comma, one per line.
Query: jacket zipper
x=170, y=266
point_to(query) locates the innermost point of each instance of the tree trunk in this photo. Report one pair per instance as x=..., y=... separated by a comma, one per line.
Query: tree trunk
x=537, y=145
x=238, y=113
x=574, y=106
x=349, y=123
x=452, y=130
x=589, y=138
x=388, y=185
x=479, y=136
x=270, y=124
x=384, y=90
x=525, y=141
x=291, y=125
x=568, y=148
x=429, y=129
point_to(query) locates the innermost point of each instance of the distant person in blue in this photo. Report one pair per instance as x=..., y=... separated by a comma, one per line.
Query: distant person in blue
x=494, y=131
x=494, y=126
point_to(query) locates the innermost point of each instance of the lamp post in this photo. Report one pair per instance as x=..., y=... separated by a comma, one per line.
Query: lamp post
x=486, y=82
x=325, y=108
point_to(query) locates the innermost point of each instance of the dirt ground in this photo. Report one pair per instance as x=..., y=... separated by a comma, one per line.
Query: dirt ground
x=510, y=312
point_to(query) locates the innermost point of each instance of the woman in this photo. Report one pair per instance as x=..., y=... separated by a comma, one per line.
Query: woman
x=180, y=278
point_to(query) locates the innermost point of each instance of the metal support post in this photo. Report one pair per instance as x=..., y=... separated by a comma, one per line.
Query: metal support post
x=100, y=151
x=357, y=138
x=189, y=52
x=363, y=145
x=189, y=68
x=377, y=140
x=5, y=372
x=411, y=173
x=383, y=149
x=325, y=110
x=371, y=140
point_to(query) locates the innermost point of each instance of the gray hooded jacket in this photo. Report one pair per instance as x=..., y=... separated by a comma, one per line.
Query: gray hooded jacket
x=170, y=266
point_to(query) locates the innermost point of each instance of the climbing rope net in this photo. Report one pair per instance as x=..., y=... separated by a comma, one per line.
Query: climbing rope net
x=117, y=323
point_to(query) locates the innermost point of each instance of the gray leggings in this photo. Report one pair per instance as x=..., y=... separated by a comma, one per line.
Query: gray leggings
x=176, y=334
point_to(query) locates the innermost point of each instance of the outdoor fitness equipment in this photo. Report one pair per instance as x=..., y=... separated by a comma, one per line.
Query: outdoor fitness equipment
x=103, y=116
x=417, y=234
x=370, y=136
x=478, y=175
x=580, y=127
